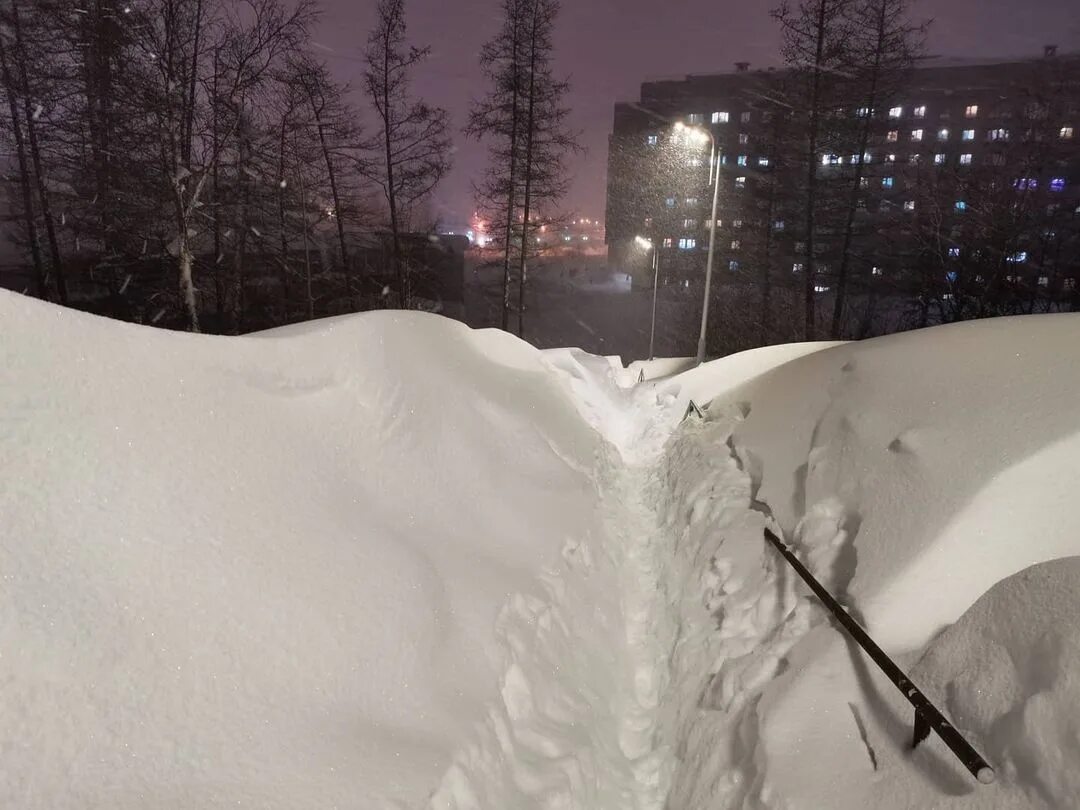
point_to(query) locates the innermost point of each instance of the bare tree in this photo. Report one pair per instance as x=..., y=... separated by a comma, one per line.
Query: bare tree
x=498, y=117
x=882, y=50
x=815, y=41
x=17, y=126
x=525, y=117
x=414, y=136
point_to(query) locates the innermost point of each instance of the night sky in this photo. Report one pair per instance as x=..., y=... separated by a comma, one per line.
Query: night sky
x=609, y=46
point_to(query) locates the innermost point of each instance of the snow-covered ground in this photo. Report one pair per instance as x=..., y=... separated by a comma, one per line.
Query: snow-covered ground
x=385, y=561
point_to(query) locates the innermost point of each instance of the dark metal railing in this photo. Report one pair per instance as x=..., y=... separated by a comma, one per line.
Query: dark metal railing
x=927, y=716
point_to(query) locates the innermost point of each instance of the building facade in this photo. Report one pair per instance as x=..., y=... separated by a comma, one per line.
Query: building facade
x=968, y=189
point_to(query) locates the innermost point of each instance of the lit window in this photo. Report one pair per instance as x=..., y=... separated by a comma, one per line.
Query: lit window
x=745, y=118
x=886, y=182
x=914, y=159
x=719, y=223
x=890, y=158
x=736, y=223
x=998, y=134
x=687, y=243
x=669, y=242
x=1017, y=258
x=740, y=182
x=961, y=205
x=797, y=267
x=1026, y=183
x=670, y=202
x=696, y=118
x=652, y=140
x=820, y=288
x=893, y=136
x=1057, y=184
x=831, y=160
x=1044, y=281
x=1065, y=133
x=943, y=135
x=720, y=117
x=939, y=158
x=968, y=135
x=971, y=110
x=744, y=138
x=951, y=276
x=648, y=222
x=733, y=266
x=691, y=200
x=875, y=270
x=742, y=160
x=862, y=112
x=916, y=134
x=954, y=253
x=854, y=159
x=689, y=223
x=965, y=159
x=909, y=205
x=896, y=112
x=864, y=182
x=778, y=225
x=763, y=162
x=735, y=244
x=920, y=112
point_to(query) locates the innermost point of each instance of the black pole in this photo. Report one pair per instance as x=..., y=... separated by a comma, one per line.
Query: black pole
x=927, y=716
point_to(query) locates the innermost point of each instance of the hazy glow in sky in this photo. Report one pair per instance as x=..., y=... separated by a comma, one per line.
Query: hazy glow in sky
x=609, y=46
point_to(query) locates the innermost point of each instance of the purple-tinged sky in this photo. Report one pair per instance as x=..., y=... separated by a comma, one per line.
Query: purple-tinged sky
x=609, y=46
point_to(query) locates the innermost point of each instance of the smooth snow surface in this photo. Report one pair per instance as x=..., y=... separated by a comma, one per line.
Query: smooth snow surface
x=264, y=572
x=383, y=561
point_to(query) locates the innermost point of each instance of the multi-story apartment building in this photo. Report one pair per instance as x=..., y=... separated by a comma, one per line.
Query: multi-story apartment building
x=971, y=168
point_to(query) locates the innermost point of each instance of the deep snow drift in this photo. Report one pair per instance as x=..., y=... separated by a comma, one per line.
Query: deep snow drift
x=913, y=472
x=384, y=561
x=265, y=571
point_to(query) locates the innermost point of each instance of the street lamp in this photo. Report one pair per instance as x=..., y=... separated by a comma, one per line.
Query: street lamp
x=700, y=135
x=647, y=244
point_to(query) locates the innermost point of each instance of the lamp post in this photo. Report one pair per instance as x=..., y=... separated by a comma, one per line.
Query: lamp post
x=714, y=176
x=648, y=245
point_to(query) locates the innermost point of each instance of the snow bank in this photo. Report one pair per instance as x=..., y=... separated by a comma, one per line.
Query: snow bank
x=1009, y=671
x=265, y=571
x=913, y=472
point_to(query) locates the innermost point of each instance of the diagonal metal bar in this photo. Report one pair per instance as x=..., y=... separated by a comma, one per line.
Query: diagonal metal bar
x=927, y=716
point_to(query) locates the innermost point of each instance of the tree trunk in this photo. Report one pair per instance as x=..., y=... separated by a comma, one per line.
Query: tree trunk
x=339, y=219
x=24, y=178
x=530, y=131
x=187, y=136
x=811, y=179
x=215, y=137
x=187, y=284
x=35, y=157
x=391, y=192
x=511, y=195
x=281, y=222
x=304, y=227
x=864, y=142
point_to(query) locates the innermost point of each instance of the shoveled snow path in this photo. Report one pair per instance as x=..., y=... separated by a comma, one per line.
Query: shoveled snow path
x=628, y=686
